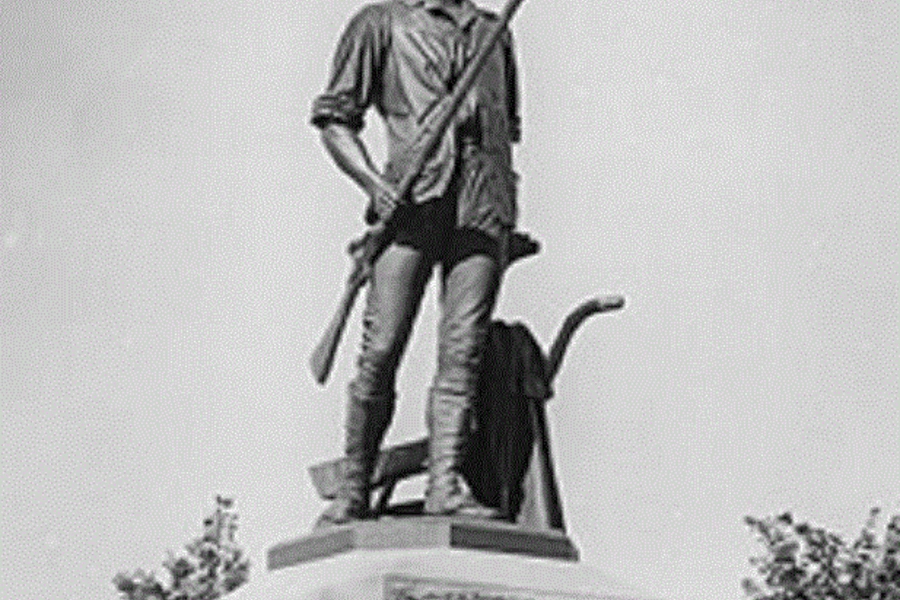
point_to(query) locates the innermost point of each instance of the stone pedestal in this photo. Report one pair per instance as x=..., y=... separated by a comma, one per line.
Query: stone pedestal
x=433, y=559
x=423, y=532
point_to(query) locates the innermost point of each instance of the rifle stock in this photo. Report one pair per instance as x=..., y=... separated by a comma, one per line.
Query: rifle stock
x=322, y=358
x=364, y=251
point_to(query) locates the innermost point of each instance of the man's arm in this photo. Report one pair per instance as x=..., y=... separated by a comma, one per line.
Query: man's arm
x=339, y=111
x=350, y=154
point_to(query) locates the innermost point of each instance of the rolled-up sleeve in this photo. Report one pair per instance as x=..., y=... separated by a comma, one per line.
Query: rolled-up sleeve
x=512, y=90
x=355, y=72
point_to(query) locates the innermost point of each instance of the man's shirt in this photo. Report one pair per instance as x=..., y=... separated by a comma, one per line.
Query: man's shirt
x=403, y=57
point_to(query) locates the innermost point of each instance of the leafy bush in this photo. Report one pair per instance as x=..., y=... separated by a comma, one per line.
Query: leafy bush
x=213, y=566
x=805, y=562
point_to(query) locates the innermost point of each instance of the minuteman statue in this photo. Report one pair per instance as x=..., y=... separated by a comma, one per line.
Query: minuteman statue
x=403, y=57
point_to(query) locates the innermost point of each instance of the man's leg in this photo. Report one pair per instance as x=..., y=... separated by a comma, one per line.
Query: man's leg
x=470, y=284
x=393, y=298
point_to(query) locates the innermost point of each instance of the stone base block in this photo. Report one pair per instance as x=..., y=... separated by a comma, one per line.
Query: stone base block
x=422, y=532
x=433, y=574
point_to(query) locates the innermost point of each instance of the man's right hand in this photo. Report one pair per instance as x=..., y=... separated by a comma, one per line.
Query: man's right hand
x=383, y=200
x=350, y=154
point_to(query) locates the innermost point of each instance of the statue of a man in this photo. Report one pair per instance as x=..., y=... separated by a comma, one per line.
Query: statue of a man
x=403, y=57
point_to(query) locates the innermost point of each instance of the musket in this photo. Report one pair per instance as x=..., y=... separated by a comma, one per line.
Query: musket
x=367, y=248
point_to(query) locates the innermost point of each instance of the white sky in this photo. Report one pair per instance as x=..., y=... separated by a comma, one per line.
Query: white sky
x=171, y=244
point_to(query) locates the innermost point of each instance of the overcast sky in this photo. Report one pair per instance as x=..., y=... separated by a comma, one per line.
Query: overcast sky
x=171, y=245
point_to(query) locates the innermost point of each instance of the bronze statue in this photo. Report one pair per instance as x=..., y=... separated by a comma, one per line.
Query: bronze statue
x=446, y=197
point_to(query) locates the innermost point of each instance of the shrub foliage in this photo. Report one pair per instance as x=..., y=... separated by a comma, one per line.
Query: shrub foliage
x=805, y=562
x=212, y=566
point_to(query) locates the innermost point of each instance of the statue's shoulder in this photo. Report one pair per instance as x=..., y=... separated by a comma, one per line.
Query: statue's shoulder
x=376, y=9
x=391, y=6
x=372, y=16
x=382, y=9
x=489, y=18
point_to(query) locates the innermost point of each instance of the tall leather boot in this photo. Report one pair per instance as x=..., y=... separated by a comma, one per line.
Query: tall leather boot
x=365, y=427
x=449, y=418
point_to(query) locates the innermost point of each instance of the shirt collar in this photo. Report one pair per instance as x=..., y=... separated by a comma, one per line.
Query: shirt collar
x=466, y=16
